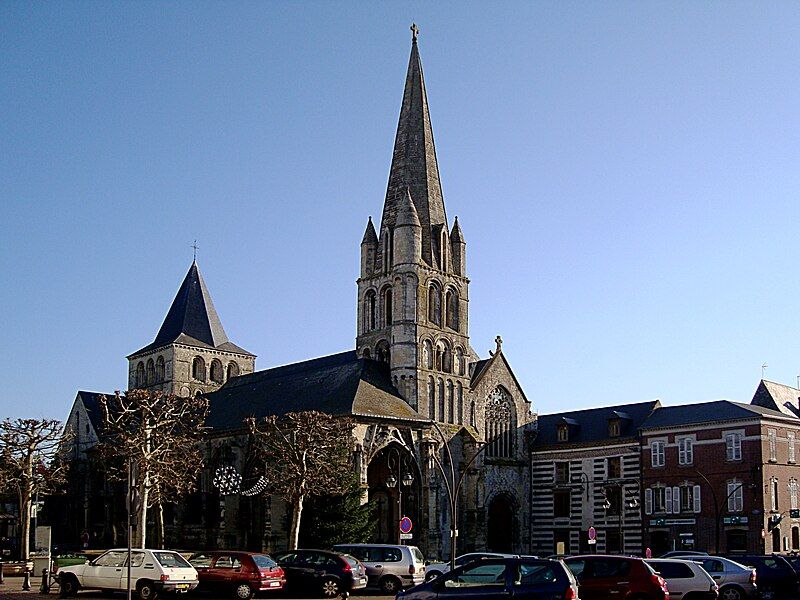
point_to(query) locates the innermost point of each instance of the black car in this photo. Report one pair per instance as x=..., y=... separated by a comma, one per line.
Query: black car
x=322, y=571
x=500, y=578
x=775, y=576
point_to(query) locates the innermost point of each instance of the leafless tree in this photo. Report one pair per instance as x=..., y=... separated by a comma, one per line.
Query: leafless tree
x=160, y=434
x=29, y=449
x=303, y=454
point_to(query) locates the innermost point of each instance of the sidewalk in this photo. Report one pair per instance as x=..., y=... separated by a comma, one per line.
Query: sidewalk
x=12, y=588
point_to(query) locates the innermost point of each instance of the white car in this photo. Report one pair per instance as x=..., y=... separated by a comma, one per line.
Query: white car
x=433, y=570
x=685, y=578
x=152, y=571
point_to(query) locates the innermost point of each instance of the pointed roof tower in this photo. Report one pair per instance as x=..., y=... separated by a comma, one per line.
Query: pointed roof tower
x=192, y=318
x=414, y=165
x=370, y=237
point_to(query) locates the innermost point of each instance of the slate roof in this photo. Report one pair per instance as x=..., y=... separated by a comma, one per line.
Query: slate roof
x=339, y=384
x=706, y=412
x=777, y=396
x=192, y=319
x=591, y=425
x=91, y=402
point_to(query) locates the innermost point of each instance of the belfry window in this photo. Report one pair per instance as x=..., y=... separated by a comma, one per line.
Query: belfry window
x=198, y=369
x=140, y=375
x=427, y=354
x=216, y=371
x=369, y=311
x=441, y=400
x=386, y=297
x=435, y=304
x=160, y=368
x=233, y=370
x=450, y=402
x=431, y=399
x=151, y=372
x=500, y=424
x=451, y=302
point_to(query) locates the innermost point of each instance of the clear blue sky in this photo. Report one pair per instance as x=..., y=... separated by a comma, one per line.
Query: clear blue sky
x=626, y=176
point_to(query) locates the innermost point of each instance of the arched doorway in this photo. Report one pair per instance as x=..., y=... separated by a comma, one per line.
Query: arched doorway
x=500, y=524
x=394, y=483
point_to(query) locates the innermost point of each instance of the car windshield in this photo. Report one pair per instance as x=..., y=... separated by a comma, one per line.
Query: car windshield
x=171, y=559
x=351, y=560
x=263, y=561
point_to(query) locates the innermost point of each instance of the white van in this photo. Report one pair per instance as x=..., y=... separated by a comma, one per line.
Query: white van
x=152, y=571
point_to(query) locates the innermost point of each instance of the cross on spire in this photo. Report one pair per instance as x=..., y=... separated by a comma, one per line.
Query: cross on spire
x=414, y=32
x=195, y=248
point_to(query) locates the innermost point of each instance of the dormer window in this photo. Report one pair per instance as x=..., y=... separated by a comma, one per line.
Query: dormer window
x=614, y=428
x=563, y=432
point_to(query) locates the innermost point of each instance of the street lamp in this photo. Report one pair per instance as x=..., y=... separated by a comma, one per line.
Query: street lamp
x=632, y=502
x=404, y=477
x=453, y=486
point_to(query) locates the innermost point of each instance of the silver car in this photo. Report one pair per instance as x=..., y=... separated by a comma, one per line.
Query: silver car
x=389, y=568
x=735, y=581
x=433, y=570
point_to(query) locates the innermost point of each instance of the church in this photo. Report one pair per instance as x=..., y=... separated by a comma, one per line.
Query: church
x=412, y=384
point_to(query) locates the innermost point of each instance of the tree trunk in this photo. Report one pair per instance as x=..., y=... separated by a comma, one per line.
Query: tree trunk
x=140, y=537
x=159, y=519
x=25, y=498
x=294, y=534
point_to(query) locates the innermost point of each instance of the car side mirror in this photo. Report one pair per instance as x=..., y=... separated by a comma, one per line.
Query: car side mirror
x=88, y=562
x=427, y=562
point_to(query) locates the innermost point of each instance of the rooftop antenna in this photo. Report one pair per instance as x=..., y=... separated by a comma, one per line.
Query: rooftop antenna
x=798, y=382
x=763, y=369
x=195, y=247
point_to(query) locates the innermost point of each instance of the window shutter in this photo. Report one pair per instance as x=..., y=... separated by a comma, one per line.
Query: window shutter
x=648, y=501
x=676, y=500
x=668, y=499
x=697, y=505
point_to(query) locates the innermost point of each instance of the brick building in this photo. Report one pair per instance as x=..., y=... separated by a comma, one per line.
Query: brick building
x=719, y=475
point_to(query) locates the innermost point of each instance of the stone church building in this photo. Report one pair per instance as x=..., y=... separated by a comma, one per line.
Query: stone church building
x=412, y=383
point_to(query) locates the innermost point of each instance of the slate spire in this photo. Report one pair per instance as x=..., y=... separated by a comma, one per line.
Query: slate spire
x=414, y=168
x=192, y=313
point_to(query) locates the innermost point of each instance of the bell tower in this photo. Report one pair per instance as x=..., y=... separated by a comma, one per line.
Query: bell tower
x=413, y=290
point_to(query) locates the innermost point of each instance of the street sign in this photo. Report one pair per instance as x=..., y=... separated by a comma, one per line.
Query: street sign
x=406, y=536
x=406, y=525
x=648, y=553
x=592, y=541
x=592, y=533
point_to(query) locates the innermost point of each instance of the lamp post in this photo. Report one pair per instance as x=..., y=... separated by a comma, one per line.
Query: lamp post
x=718, y=505
x=631, y=503
x=404, y=478
x=453, y=486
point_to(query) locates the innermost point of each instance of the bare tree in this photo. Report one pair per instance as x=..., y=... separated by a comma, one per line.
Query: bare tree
x=159, y=433
x=29, y=449
x=303, y=454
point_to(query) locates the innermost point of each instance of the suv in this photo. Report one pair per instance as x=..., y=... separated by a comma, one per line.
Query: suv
x=389, y=568
x=776, y=576
x=685, y=579
x=601, y=577
x=240, y=573
x=152, y=571
x=517, y=578
x=433, y=570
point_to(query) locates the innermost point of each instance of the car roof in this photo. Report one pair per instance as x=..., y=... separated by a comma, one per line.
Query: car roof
x=362, y=545
x=603, y=556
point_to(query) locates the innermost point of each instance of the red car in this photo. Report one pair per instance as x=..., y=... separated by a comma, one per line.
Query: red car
x=239, y=573
x=601, y=577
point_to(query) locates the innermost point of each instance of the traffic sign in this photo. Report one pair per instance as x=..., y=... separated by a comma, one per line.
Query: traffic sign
x=648, y=553
x=406, y=525
x=592, y=533
x=406, y=536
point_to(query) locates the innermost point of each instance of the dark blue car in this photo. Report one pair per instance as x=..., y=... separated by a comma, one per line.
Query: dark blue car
x=500, y=579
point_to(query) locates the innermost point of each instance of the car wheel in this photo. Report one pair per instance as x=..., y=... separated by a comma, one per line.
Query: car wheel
x=431, y=575
x=389, y=585
x=68, y=586
x=242, y=591
x=731, y=593
x=331, y=588
x=146, y=590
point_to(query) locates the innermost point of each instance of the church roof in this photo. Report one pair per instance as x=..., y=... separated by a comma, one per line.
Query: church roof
x=777, y=396
x=339, y=384
x=192, y=319
x=91, y=402
x=414, y=167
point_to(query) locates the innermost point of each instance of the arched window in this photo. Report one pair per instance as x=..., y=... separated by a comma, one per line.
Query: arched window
x=366, y=353
x=140, y=375
x=151, y=372
x=387, y=251
x=198, y=393
x=217, y=374
x=460, y=362
x=451, y=302
x=435, y=303
x=431, y=399
x=427, y=354
x=233, y=370
x=160, y=368
x=460, y=402
x=443, y=249
x=369, y=310
x=441, y=400
x=472, y=420
x=386, y=305
x=199, y=369
x=451, y=413
x=500, y=424
x=382, y=351
x=447, y=358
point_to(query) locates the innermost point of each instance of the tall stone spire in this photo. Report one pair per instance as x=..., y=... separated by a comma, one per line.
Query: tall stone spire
x=414, y=168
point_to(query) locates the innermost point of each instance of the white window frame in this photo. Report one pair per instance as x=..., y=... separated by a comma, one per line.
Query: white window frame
x=773, y=493
x=772, y=437
x=733, y=446
x=735, y=496
x=793, y=494
x=790, y=438
x=658, y=453
x=685, y=450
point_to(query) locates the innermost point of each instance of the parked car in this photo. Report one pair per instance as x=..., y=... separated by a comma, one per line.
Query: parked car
x=601, y=577
x=239, y=573
x=433, y=570
x=735, y=581
x=677, y=553
x=152, y=571
x=494, y=578
x=685, y=579
x=389, y=568
x=322, y=571
x=775, y=575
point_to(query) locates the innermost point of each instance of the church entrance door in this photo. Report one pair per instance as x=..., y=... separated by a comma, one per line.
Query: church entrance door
x=394, y=480
x=500, y=525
